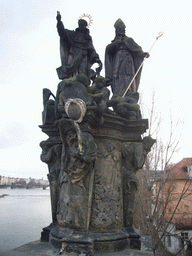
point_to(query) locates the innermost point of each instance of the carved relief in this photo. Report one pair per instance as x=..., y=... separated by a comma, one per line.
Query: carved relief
x=107, y=210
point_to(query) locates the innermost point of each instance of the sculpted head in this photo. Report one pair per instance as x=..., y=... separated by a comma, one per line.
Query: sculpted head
x=82, y=25
x=119, y=27
x=148, y=143
x=82, y=78
x=100, y=82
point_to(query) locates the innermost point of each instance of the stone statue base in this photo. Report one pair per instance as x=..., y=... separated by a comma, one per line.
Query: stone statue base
x=92, y=242
x=95, y=212
x=46, y=249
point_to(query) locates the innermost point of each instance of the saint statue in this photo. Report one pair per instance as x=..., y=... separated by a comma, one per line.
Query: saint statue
x=134, y=155
x=122, y=60
x=51, y=155
x=78, y=156
x=76, y=49
x=93, y=152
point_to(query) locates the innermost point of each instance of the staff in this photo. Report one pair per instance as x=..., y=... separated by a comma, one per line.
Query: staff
x=159, y=35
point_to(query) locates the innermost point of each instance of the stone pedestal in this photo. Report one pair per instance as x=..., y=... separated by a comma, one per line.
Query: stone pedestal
x=107, y=230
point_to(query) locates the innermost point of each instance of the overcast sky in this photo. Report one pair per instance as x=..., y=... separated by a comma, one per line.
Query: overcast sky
x=29, y=52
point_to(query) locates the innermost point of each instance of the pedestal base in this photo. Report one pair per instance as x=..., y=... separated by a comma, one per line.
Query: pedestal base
x=102, y=200
x=46, y=232
x=45, y=249
x=92, y=243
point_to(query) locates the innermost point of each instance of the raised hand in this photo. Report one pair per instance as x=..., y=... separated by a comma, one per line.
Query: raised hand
x=58, y=17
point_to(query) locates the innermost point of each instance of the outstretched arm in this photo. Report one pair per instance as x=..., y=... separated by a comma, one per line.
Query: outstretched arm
x=60, y=26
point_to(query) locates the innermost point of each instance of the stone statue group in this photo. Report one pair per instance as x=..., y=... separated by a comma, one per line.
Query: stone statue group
x=123, y=57
x=95, y=146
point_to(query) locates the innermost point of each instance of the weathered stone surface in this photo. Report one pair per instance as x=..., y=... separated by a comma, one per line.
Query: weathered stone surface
x=115, y=127
x=101, y=201
x=107, y=204
x=45, y=249
x=94, y=152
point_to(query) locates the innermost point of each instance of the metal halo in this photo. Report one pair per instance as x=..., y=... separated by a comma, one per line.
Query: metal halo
x=87, y=16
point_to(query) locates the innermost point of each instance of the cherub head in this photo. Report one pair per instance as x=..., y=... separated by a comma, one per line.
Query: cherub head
x=100, y=82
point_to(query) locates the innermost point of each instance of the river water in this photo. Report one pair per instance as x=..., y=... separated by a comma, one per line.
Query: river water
x=23, y=214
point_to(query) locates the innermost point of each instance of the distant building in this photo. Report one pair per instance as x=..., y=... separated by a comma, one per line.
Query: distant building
x=177, y=195
x=180, y=179
x=10, y=181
